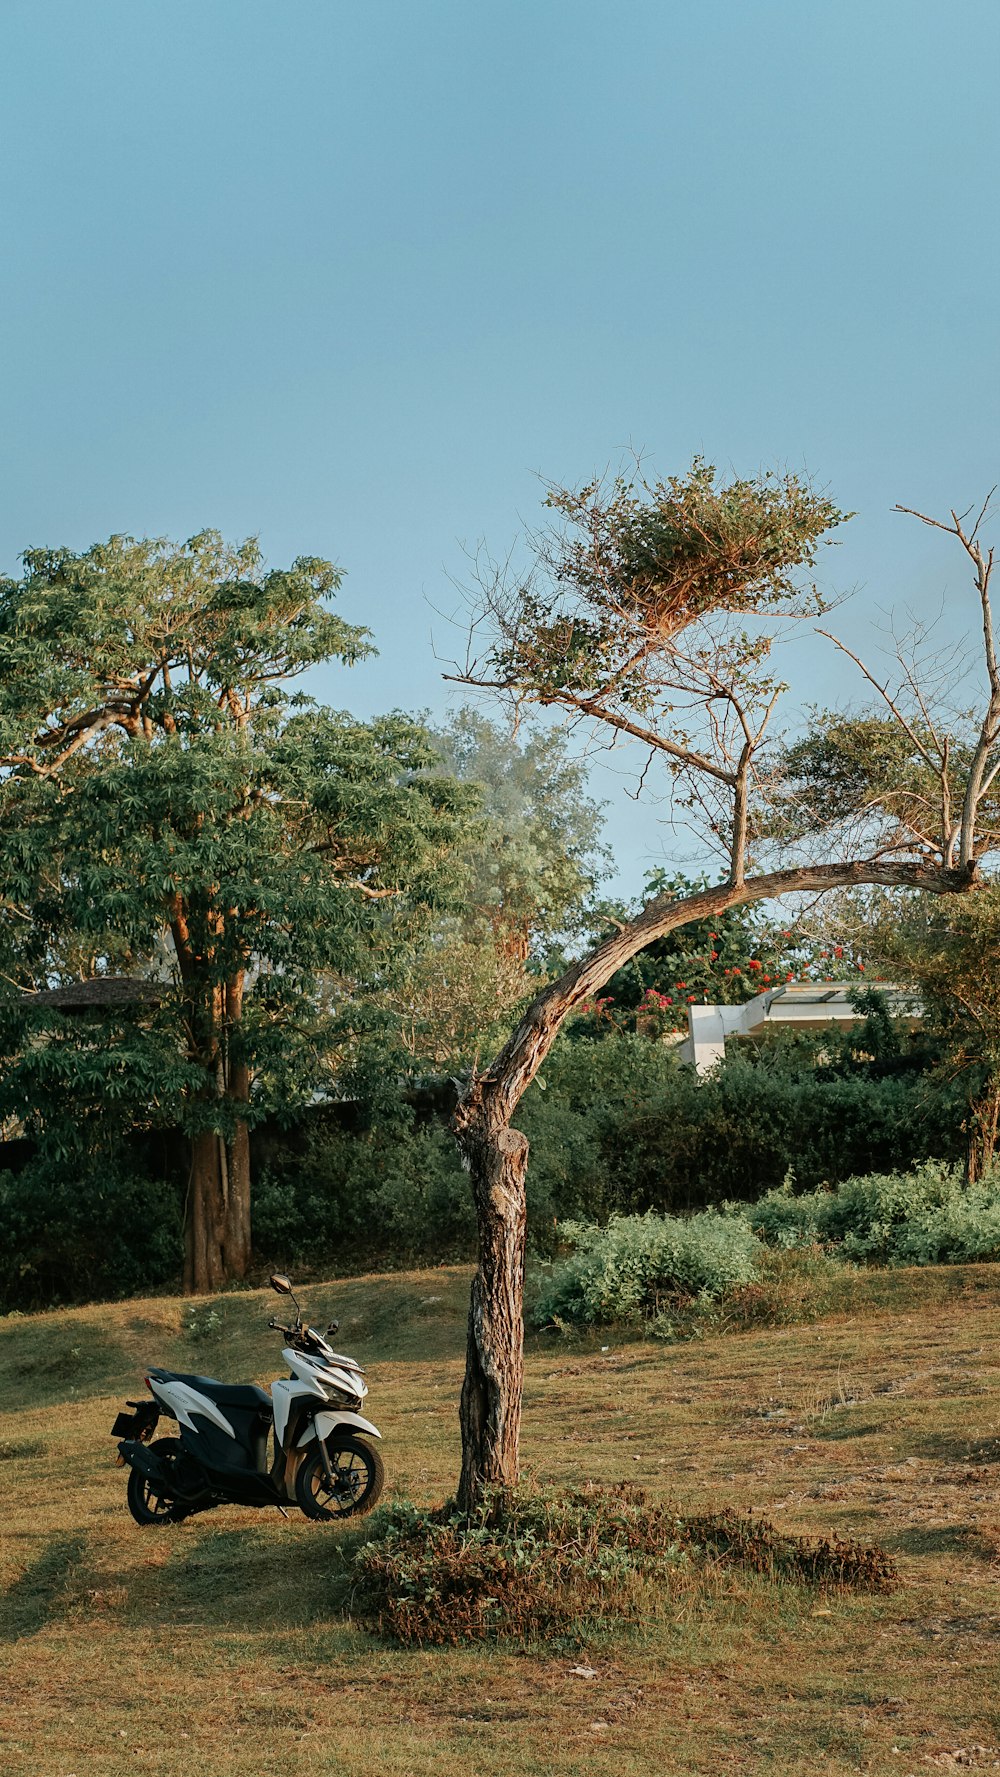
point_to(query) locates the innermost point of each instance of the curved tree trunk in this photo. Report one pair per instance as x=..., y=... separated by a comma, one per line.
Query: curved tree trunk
x=497, y=1155
x=490, y=1407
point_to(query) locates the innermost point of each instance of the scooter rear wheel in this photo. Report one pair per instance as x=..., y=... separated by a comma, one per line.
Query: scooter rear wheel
x=358, y=1480
x=145, y=1504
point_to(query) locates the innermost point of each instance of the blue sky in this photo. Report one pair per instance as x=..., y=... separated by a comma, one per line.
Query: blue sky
x=352, y=278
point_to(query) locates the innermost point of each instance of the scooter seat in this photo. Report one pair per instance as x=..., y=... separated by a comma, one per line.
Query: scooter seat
x=225, y=1394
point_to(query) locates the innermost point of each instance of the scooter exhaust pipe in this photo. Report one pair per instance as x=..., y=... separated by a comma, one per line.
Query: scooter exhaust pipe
x=139, y=1456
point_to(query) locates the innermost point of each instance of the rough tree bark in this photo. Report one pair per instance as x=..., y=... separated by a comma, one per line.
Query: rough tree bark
x=496, y=1154
x=217, y=1233
x=236, y=1239
x=982, y=1133
x=217, y=1214
x=489, y=1409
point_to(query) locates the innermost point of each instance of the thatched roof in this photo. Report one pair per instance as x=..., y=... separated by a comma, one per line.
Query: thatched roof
x=100, y=990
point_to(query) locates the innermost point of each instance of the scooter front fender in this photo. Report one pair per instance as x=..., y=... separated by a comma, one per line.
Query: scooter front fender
x=325, y=1423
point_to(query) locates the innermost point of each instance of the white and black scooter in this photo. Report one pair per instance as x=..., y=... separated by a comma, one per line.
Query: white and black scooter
x=321, y=1460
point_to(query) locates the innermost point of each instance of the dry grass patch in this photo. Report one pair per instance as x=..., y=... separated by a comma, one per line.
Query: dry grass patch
x=553, y=1566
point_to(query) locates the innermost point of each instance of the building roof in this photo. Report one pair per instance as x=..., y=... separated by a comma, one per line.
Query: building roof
x=804, y=1005
x=100, y=990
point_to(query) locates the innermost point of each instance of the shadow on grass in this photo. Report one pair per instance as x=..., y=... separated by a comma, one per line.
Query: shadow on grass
x=982, y=1451
x=847, y=1425
x=945, y=1447
x=942, y=1539
x=42, y=1592
x=67, y=1362
x=256, y=1578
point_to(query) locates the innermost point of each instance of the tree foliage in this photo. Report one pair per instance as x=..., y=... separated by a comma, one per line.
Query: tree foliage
x=949, y=954
x=523, y=892
x=173, y=807
x=723, y=960
x=533, y=868
x=656, y=619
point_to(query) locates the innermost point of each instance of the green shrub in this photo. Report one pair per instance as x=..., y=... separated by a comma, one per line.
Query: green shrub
x=790, y=1287
x=619, y=1126
x=927, y=1216
x=67, y=1239
x=629, y=1269
x=350, y=1200
x=527, y=1566
x=738, y=1132
x=575, y=1117
x=781, y=1259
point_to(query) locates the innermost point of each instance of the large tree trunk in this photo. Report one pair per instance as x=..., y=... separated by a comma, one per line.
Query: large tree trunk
x=236, y=1238
x=217, y=1214
x=217, y=1245
x=204, y=1263
x=497, y=1155
x=236, y=1242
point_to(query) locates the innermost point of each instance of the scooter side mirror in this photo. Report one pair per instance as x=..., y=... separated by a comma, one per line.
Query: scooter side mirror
x=334, y=1326
x=281, y=1283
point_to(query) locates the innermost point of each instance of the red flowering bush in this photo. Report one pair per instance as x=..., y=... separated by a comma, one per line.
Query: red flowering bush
x=742, y=955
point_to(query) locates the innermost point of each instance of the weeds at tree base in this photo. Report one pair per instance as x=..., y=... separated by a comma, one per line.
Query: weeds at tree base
x=543, y=1566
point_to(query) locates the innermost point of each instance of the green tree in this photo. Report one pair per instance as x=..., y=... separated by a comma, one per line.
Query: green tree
x=949, y=953
x=533, y=869
x=172, y=806
x=524, y=888
x=651, y=612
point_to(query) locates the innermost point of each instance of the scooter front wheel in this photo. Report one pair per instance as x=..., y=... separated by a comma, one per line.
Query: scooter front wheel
x=358, y=1479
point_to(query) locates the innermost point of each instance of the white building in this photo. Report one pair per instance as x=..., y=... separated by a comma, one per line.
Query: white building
x=805, y=1005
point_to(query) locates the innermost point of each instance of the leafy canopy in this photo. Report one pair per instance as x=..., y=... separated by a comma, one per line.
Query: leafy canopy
x=523, y=880
x=533, y=867
x=637, y=563
x=722, y=960
x=173, y=807
x=146, y=634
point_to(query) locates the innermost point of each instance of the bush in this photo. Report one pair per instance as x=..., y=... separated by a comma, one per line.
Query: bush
x=526, y=1566
x=575, y=1117
x=628, y=1270
x=620, y=1126
x=737, y=1133
x=350, y=1200
x=927, y=1216
x=686, y=1274
x=110, y=1234
x=617, y=1128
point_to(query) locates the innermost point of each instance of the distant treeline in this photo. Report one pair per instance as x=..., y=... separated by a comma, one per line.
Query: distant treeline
x=616, y=1125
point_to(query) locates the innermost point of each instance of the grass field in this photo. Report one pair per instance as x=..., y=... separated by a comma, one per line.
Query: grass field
x=226, y=1645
